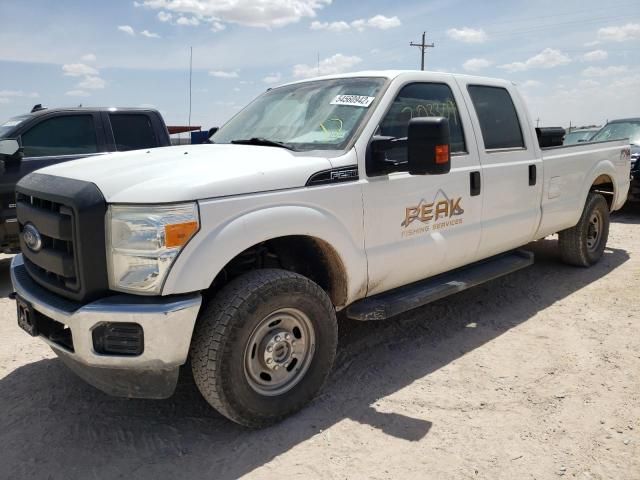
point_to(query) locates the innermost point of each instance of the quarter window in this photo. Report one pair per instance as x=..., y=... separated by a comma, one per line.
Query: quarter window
x=422, y=100
x=498, y=117
x=68, y=135
x=132, y=131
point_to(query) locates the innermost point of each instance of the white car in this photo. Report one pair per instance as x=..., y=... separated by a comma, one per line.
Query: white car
x=371, y=192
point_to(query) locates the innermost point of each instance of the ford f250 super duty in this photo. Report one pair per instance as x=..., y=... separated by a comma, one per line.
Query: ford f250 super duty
x=47, y=136
x=369, y=193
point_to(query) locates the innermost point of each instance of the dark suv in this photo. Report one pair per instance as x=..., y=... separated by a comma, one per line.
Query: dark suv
x=48, y=136
x=626, y=128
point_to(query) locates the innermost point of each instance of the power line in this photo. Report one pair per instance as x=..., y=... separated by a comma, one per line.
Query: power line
x=423, y=48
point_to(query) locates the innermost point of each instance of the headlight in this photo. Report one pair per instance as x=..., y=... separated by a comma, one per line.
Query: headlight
x=144, y=241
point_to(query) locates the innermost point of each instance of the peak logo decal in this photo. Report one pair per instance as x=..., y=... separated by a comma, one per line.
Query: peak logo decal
x=436, y=215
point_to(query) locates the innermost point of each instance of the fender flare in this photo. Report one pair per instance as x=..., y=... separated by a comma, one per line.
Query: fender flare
x=216, y=245
x=604, y=167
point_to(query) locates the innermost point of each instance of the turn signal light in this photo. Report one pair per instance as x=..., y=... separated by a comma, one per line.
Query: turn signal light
x=178, y=234
x=442, y=154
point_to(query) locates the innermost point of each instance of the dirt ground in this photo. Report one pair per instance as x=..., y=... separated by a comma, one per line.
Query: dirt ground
x=535, y=375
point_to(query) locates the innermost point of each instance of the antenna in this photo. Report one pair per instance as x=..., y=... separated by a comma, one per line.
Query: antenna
x=190, y=80
x=423, y=47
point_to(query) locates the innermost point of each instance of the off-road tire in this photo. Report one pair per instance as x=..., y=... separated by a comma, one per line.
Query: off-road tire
x=225, y=327
x=573, y=242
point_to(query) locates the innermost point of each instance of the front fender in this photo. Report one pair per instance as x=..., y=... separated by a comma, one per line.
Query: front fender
x=221, y=239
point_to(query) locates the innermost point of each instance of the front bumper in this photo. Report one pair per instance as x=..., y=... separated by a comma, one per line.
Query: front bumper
x=167, y=323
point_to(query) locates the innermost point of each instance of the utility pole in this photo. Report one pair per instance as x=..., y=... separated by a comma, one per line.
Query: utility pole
x=190, y=79
x=423, y=47
x=537, y=122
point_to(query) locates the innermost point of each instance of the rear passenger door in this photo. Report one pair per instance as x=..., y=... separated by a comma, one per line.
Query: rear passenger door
x=132, y=131
x=511, y=186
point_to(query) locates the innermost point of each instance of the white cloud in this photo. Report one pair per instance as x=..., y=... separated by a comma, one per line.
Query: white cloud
x=587, y=103
x=359, y=24
x=622, y=33
x=467, y=35
x=188, y=21
x=632, y=81
x=77, y=93
x=383, y=23
x=588, y=83
x=148, y=34
x=265, y=14
x=379, y=21
x=7, y=95
x=89, y=57
x=90, y=76
x=548, y=58
x=530, y=84
x=217, y=26
x=592, y=44
x=78, y=70
x=272, y=78
x=128, y=29
x=604, y=71
x=223, y=74
x=475, y=64
x=595, y=56
x=164, y=16
x=338, y=63
x=92, y=83
x=18, y=93
x=332, y=27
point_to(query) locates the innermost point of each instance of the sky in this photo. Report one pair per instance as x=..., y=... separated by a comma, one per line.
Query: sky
x=574, y=61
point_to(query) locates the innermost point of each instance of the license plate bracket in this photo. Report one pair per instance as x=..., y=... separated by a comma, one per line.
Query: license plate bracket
x=26, y=317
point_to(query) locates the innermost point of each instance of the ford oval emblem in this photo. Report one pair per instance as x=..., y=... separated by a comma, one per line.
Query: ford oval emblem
x=31, y=237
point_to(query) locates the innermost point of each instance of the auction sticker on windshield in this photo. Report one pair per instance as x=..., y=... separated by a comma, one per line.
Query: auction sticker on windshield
x=353, y=100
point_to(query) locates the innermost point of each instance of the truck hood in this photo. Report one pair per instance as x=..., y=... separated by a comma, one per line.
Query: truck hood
x=192, y=172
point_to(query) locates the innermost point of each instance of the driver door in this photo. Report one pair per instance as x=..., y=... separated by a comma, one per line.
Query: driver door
x=417, y=226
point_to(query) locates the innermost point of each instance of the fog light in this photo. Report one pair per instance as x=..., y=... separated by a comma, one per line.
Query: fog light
x=118, y=339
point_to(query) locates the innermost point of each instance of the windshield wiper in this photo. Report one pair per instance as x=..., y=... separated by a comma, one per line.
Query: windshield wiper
x=262, y=141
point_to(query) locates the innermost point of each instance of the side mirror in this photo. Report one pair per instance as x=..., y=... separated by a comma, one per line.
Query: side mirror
x=428, y=149
x=9, y=147
x=212, y=131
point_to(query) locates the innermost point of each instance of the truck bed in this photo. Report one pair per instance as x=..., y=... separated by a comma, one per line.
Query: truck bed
x=568, y=170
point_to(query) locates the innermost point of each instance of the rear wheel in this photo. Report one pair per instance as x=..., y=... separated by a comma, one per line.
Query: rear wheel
x=584, y=244
x=264, y=346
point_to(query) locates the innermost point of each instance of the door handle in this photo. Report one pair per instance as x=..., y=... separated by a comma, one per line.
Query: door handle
x=532, y=175
x=474, y=183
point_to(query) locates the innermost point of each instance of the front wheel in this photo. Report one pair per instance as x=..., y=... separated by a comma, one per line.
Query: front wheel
x=264, y=346
x=584, y=244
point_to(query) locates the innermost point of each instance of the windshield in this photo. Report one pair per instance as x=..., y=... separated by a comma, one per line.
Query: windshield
x=7, y=127
x=319, y=115
x=619, y=130
x=572, y=138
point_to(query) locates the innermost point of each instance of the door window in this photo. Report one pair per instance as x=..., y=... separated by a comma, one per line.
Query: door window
x=132, y=131
x=66, y=135
x=422, y=100
x=497, y=116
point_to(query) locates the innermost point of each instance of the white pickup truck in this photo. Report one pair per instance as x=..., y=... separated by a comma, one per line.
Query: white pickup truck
x=369, y=194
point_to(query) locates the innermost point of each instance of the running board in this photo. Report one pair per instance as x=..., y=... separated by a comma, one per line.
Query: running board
x=408, y=297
